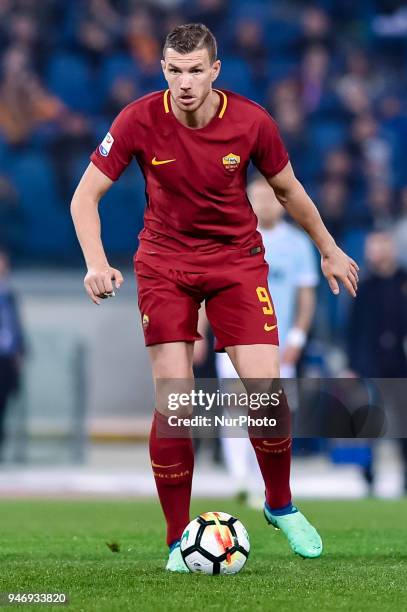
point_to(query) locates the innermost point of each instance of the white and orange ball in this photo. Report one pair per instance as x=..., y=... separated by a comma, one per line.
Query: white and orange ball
x=215, y=543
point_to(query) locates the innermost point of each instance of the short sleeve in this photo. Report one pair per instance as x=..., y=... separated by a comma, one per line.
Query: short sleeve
x=306, y=266
x=117, y=149
x=269, y=155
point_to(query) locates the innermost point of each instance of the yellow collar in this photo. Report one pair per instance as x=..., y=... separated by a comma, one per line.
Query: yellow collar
x=221, y=93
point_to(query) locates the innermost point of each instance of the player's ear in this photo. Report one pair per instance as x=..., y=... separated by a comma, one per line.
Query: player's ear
x=215, y=70
x=163, y=66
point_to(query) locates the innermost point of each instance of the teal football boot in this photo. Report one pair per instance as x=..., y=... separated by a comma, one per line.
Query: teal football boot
x=303, y=538
x=175, y=561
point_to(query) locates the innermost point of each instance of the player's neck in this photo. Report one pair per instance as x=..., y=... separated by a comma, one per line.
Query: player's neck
x=202, y=116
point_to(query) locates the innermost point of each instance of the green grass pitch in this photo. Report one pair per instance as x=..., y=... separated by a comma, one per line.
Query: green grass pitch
x=60, y=546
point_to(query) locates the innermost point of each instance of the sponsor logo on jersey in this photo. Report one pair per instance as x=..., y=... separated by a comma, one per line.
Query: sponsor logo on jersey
x=231, y=162
x=106, y=145
x=146, y=321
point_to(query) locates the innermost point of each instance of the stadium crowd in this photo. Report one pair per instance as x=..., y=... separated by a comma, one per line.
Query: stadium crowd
x=333, y=74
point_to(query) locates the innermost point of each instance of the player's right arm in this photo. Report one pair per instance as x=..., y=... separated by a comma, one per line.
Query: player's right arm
x=85, y=214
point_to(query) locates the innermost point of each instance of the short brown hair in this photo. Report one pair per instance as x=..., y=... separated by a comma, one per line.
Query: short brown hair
x=189, y=37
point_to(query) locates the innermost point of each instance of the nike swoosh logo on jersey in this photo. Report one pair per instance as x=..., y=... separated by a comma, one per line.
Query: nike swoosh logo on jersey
x=269, y=327
x=157, y=162
x=157, y=465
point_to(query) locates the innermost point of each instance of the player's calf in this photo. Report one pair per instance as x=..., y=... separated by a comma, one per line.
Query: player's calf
x=172, y=460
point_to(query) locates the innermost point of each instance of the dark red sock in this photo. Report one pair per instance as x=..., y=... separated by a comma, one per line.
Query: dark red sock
x=274, y=459
x=274, y=456
x=172, y=460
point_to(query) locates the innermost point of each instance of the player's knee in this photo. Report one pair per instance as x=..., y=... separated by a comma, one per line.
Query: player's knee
x=259, y=361
x=174, y=396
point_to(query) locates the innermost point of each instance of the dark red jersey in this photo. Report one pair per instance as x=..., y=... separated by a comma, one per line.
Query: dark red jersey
x=195, y=178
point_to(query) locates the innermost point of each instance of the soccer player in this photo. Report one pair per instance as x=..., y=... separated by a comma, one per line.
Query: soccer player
x=200, y=243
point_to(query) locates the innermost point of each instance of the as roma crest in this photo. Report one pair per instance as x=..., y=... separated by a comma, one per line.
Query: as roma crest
x=231, y=162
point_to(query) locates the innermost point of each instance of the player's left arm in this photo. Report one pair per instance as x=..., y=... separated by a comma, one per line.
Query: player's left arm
x=336, y=265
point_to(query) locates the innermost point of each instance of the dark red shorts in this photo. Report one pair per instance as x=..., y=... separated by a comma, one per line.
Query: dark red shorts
x=233, y=285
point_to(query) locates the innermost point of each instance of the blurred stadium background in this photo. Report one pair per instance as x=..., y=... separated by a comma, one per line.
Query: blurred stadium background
x=333, y=74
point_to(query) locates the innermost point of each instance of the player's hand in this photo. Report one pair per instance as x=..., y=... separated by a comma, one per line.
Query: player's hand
x=99, y=283
x=338, y=267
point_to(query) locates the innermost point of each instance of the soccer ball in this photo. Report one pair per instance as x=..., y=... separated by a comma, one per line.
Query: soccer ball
x=215, y=543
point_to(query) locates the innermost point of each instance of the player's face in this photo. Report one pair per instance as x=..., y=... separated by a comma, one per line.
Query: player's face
x=265, y=204
x=189, y=77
